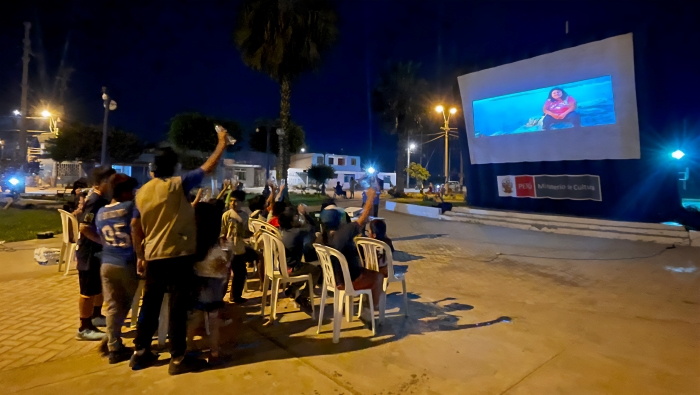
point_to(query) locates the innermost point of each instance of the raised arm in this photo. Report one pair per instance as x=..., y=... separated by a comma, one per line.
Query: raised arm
x=211, y=163
x=367, y=208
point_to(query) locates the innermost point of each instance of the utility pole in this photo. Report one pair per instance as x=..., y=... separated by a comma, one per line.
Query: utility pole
x=446, y=129
x=23, y=101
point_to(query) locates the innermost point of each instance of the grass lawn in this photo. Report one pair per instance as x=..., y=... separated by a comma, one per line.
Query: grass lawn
x=309, y=200
x=18, y=224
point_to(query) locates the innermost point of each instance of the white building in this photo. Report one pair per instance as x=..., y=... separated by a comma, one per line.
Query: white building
x=346, y=168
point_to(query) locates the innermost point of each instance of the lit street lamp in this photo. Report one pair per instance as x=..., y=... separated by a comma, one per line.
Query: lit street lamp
x=303, y=150
x=16, y=112
x=408, y=160
x=447, y=129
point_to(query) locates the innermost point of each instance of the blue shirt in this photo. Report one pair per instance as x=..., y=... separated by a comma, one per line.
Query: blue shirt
x=114, y=227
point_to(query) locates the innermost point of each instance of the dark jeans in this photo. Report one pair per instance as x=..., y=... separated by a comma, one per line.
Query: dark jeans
x=240, y=275
x=571, y=117
x=301, y=269
x=375, y=210
x=175, y=276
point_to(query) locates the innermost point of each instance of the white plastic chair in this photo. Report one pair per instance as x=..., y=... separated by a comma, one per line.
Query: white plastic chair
x=369, y=250
x=69, y=244
x=341, y=297
x=275, y=260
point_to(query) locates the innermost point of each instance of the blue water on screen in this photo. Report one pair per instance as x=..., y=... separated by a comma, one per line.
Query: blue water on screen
x=522, y=112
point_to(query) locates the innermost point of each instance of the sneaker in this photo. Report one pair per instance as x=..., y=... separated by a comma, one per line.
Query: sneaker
x=90, y=334
x=143, y=361
x=121, y=355
x=186, y=364
x=99, y=321
x=217, y=361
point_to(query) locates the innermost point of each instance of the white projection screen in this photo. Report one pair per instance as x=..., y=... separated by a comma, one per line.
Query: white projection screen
x=575, y=104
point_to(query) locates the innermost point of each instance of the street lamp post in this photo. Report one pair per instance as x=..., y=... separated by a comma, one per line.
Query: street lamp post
x=447, y=129
x=408, y=160
x=110, y=105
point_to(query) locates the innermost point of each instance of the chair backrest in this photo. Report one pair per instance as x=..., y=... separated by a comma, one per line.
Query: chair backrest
x=274, y=255
x=253, y=217
x=325, y=254
x=258, y=225
x=69, y=225
x=369, y=250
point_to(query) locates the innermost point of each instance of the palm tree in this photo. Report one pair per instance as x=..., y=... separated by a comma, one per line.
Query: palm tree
x=399, y=98
x=283, y=39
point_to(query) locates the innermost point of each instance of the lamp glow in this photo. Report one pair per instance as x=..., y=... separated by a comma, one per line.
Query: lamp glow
x=439, y=109
x=303, y=150
x=677, y=154
x=371, y=170
x=412, y=146
x=453, y=110
x=14, y=181
x=16, y=112
x=45, y=114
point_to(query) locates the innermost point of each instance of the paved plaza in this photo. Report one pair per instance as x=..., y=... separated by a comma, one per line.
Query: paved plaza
x=491, y=311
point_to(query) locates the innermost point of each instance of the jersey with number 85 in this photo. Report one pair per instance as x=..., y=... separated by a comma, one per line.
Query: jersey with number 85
x=113, y=223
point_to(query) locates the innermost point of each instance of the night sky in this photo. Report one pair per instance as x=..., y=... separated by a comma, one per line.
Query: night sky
x=159, y=58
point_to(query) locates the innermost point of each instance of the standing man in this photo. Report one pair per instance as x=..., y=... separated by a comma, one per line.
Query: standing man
x=164, y=237
x=88, y=256
x=119, y=280
x=352, y=187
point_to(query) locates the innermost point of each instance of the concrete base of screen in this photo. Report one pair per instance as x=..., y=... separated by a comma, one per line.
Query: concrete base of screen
x=414, y=209
x=636, y=231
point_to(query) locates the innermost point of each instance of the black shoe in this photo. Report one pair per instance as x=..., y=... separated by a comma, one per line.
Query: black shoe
x=103, y=349
x=186, y=365
x=289, y=292
x=217, y=361
x=304, y=304
x=121, y=355
x=240, y=300
x=143, y=361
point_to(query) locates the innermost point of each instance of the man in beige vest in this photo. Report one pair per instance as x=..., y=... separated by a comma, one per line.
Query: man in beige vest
x=164, y=237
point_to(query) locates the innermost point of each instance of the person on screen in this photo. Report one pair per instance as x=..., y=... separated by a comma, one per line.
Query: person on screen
x=560, y=108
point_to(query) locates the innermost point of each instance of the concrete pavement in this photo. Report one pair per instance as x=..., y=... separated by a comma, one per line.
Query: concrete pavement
x=492, y=311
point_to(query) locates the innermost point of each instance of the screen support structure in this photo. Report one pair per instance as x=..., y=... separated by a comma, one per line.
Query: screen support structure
x=447, y=129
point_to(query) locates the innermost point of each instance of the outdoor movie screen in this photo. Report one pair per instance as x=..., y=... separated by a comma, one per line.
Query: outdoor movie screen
x=574, y=104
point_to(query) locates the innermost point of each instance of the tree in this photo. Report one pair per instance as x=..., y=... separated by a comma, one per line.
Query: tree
x=194, y=131
x=398, y=99
x=418, y=172
x=321, y=173
x=283, y=39
x=295, y=136
x=82, y=142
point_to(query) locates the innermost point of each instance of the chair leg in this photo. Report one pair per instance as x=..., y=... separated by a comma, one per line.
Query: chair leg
x=338, y=299
x=324, y=295
x=71, y=257
x=349, y=307
x=206, y=323
x=359, y=307
x=371, y=313
x=263, y=301
x=135, y=303
x=273, y=298
x=382, y=307
x=62, y=256
x=405, y=298
x=310, y=284
x=163, y=320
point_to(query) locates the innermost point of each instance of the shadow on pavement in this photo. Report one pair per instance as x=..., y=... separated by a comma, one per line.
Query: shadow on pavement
x=297, y=337
x=419, y=237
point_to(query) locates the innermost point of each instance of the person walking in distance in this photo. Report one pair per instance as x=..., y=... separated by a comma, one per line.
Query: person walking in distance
x=352, y=187
x=164, y=237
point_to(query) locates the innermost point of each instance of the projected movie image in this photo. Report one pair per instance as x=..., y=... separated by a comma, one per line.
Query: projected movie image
x=573, y=105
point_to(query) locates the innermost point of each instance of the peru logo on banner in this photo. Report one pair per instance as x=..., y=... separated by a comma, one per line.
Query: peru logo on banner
x=546, y=186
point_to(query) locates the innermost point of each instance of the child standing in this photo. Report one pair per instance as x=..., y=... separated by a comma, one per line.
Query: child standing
x=212, y=271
